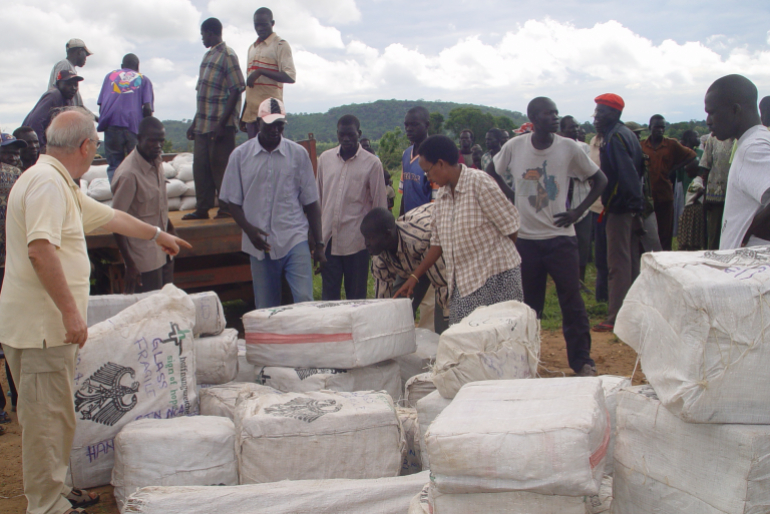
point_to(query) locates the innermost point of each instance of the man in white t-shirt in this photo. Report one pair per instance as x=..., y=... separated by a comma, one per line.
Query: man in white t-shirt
x=731, y=108
x=542, y=164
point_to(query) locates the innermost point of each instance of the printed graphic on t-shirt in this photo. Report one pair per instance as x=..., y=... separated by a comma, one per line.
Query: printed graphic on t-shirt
x=538, y=187
x=125, y=81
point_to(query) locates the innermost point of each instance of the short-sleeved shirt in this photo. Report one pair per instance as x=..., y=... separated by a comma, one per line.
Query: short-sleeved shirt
x=45, y=204
x=123, y=94
x=274, y=53
x=8, y=177
x=139, y=188
x=748, y=190
x=63, y=65
x=415, y=187
x=668, y=154
x=348, y=190
x=413, y=232
x=272, y=187
x=716, y=159
x=220, y=76
x=40, y=116
x=542, y=179
x=472, y=227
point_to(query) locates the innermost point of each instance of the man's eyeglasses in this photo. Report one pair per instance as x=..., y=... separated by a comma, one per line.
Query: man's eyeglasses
x=94, y=141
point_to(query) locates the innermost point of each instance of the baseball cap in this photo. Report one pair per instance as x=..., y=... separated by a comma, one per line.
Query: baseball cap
x=271, y=110
x=68, y=75
x=611, y=100
x=77, y=43
x=8, y=140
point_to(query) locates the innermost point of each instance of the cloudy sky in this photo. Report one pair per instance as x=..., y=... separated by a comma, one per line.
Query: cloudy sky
x=659, y=55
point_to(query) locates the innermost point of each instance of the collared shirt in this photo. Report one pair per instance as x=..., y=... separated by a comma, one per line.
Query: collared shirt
x=40, y=116
x=63, y=65
x=716, y=159
x=274, y=53
x=123, y=94
x=748, y=190
x=272, y=187
x=8, y=177
x=472, y=227
x=219, y=77
x=45, y=204
x=668, y=153
x=139, y=188
x=413, y=243
x=348, y=190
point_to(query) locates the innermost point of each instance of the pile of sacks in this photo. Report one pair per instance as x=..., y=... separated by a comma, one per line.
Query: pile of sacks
x=697, y=440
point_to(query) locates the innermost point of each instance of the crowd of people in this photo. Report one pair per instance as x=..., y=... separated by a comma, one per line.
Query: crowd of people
x=474, y=228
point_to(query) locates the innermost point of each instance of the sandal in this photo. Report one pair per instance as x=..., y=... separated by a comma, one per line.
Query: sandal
x=79, y=498
x=603, y=327
x=4, y=417
x=196, y=215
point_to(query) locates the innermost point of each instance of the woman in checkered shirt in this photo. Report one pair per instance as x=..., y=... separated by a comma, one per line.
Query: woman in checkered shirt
x=474, y=227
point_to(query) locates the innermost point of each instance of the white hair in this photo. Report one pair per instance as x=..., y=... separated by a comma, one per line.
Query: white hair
x=68, y=132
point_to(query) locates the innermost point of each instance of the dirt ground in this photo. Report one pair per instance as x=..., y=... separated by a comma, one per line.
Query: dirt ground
x=612, y=357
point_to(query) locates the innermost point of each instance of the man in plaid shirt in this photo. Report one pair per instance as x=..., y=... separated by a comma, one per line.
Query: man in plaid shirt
x=220, y=84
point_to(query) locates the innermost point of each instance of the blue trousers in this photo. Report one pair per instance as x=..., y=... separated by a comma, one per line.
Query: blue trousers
x=297, y=265
x=353, y=268
x=118, y=143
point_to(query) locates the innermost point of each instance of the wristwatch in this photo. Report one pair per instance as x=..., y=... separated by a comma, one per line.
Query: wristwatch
x=157, y=234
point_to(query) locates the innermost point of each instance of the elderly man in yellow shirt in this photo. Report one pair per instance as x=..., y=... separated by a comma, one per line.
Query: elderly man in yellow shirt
x=47, y=277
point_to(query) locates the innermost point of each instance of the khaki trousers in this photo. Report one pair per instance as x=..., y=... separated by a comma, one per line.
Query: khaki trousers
x=44, y=378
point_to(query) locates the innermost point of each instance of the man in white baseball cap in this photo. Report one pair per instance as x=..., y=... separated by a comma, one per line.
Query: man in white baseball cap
x=77, y=52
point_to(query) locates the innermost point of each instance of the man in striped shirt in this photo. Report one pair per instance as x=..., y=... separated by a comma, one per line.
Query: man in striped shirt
x=397, y=248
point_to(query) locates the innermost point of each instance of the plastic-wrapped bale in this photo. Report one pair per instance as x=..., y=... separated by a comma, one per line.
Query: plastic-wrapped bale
x=175, y=188
x=373, y=496
x=341, y=335
x=174, y=204
x=663, y=464
x=420, y=503
x=247, y=372
x=428, y=410
x=188, y=203
x=169, y=171
x=183, y=163
x=412, y=462
x=220, y=400
x=602, y=502
x=193, y=450
x=94, y=172
x=190, y=188
x=99, y=189
x=518, y=502
x=546, y=436
x=699, y=321
x=417, y=388
x=216, y=357
x=612, y=385
x=137, y=364
x=421, y=360
x=501, y=341
x=383, y=376
x=317, y=435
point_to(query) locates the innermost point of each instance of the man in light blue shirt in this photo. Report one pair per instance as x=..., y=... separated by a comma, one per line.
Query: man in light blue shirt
x=272, y=193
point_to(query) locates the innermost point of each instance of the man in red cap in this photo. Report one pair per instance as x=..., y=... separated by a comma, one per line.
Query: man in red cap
x=622, y=163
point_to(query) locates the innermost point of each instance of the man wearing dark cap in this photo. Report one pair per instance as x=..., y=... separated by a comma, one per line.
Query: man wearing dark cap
x=64, y=94
x=77, y=52
x=126, y=97
x=622, y=163
x=731, y=108
x=31, y=152
x=10, y=148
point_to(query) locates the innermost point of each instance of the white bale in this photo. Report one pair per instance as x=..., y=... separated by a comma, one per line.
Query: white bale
x=185, y=172
x=421, y=360
x=420, y=503
x=341, y=334
x=188, y=203
x=190, y=188
x=412, y=462
x=247, y=372
x=99, y=189
x=317, y=435
x=428, y=410
x=546, y=436
x=168, y=170
x=138, y=364
x=175, y=188
x=373, y=496
x=383, y=376
x=174, y=204
x=699, y=321
x=602, y=502
x=611, y=386
x=417, y=388
x=216, y=357
x=220, y=400
x=501, y=341
x=181, y=159
x=724, y=466
x=209, y=313
x=518, y=502
x=95, y=172
x=194, y=450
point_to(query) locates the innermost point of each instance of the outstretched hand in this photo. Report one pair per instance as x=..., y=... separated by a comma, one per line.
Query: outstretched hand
x=406, y=290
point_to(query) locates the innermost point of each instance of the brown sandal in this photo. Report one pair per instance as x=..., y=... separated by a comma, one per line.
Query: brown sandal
x=79, y=498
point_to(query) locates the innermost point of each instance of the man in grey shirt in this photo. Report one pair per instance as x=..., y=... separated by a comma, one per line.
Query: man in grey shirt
x=77, y=52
